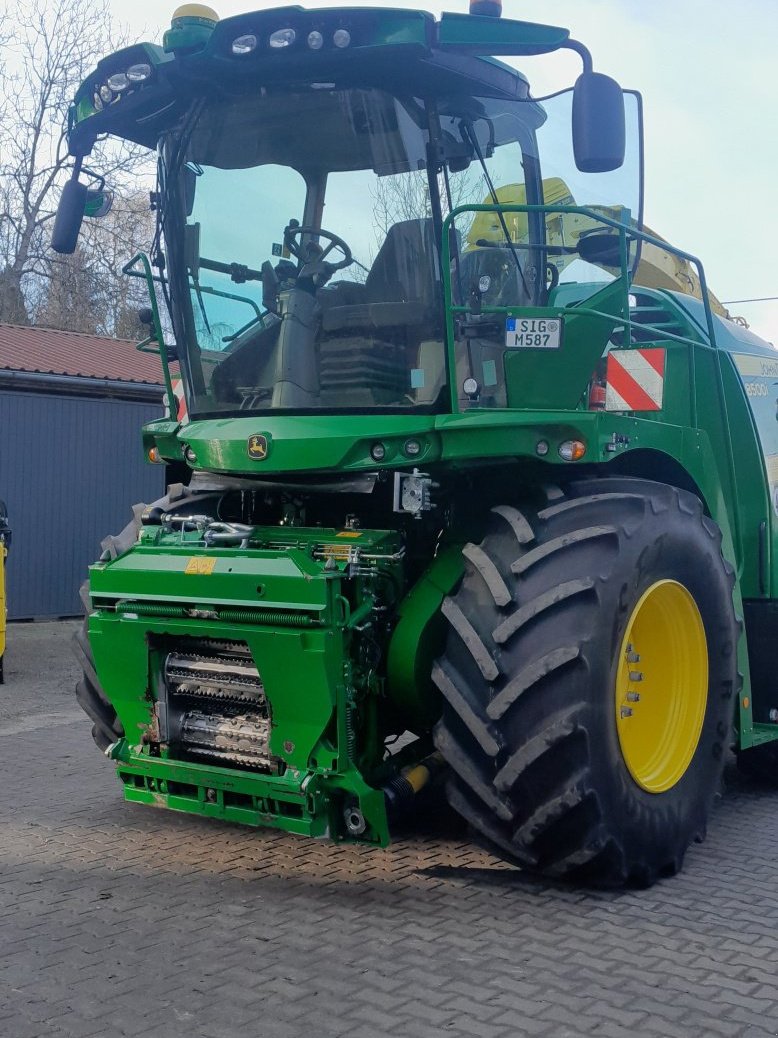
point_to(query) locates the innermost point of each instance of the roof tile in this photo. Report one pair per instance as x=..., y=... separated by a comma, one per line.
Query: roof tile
x=50, y=351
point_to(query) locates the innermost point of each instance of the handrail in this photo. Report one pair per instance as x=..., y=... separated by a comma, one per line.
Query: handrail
x=591, y=312
x=143, y=258
x=204, y=289
x=625, y=231
x=157, y=335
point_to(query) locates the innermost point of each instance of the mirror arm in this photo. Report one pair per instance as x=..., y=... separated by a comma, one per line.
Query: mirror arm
x=584, y=53
x=91, y=173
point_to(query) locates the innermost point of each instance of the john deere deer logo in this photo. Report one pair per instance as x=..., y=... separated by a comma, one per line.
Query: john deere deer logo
x=257, y=447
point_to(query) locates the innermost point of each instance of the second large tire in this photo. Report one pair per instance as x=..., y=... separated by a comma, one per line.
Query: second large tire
x=533, y=727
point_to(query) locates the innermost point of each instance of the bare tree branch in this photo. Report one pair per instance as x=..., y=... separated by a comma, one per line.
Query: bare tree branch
x=51, y=46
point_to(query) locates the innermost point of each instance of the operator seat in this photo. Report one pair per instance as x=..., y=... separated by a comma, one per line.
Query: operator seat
x=368, y=348
x=406, y=267
x=401, y=288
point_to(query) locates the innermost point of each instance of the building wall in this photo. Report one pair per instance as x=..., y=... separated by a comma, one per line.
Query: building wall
x=70, y=470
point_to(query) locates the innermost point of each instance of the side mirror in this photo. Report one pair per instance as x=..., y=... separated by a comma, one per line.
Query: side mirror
x=599, y=134
x=99, y=202
x=70, y=214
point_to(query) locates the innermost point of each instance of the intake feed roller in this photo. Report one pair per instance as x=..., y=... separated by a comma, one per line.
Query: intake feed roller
x=250, y=673
x=214, y=706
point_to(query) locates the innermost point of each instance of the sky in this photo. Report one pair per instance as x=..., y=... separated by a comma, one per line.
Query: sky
x=707, y=73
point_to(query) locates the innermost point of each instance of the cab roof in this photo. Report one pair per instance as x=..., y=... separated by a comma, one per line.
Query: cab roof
x=403, y=52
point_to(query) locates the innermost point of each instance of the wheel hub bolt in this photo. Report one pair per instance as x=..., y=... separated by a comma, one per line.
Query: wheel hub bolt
x=626, y=711
x=635, y=675
x=633, y=697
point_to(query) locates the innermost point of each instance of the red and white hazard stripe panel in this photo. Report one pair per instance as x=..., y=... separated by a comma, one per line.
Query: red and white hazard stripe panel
x=182, y=414
x=635, y=380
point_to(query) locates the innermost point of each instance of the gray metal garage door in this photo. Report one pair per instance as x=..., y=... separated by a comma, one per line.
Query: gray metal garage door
x=70, y=468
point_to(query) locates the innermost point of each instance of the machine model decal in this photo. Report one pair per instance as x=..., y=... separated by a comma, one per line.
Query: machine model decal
x=760, y=381
x=257, y=447
x=635, y=380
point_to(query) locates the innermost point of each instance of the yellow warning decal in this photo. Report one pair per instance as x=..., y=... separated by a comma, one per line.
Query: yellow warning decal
x=349, y=533
x=200, y=566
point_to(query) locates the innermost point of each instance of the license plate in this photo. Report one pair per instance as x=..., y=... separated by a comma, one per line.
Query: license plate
x=543, y=333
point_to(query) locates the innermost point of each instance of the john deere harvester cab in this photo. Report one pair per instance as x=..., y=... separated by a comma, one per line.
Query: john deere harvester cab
x=463, y=496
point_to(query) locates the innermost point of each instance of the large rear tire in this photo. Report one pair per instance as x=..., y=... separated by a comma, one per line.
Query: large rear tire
x=588, y=680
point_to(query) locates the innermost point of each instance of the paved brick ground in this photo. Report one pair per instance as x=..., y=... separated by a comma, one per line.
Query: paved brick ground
x=119, y=920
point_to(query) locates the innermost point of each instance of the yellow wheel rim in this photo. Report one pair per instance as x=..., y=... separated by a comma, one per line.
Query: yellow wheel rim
x=661, y=686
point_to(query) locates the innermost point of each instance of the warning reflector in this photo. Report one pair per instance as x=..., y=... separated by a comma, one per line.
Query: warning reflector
x=635, y=380
x=181, y=415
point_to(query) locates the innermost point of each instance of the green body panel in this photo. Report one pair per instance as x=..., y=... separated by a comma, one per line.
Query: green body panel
x=528, y=377
x=484, y=36
x=287, y=580
x=311, y=442
x=419, y=637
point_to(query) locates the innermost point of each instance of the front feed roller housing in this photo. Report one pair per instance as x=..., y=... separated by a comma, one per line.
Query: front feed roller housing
x=244, y=680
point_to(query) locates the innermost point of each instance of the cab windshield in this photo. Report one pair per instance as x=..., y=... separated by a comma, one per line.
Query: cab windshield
x=303, y=234
x=304, y=240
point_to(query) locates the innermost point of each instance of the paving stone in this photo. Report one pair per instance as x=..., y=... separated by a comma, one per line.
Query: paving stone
x=117, y=920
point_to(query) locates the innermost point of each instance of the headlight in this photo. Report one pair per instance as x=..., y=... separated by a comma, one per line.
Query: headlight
x=341, y=38
x=118, y=82
x=315, y=40
x=572, y=450
x=282, y=38
x=244, y=44
x=138, y=73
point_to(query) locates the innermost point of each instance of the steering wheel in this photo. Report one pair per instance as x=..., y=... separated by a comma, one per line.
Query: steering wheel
x=294, y=232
